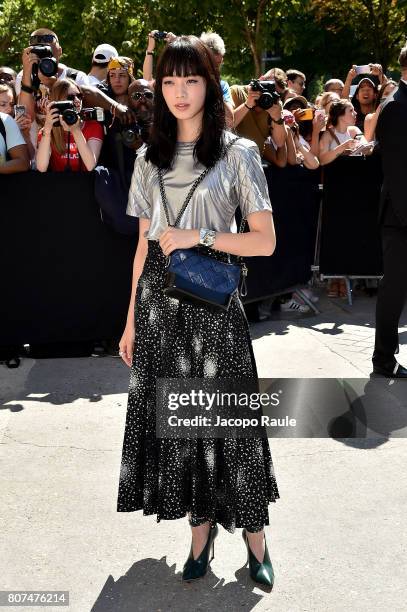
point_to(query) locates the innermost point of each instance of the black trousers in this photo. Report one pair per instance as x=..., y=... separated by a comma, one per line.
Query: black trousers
x=392, y=294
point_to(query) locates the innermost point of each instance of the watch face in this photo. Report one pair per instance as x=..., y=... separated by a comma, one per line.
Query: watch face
x=208, y=238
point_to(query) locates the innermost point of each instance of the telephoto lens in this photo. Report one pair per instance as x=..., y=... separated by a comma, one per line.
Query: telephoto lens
x=47, y=63
x=48, y=66
x=131, y=135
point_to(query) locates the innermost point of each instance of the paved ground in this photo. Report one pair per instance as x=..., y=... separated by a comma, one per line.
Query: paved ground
x=337, y=535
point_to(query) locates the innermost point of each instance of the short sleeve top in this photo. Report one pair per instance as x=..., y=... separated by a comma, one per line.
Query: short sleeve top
x=237, y=180
x=58, y=161
x=13, y=136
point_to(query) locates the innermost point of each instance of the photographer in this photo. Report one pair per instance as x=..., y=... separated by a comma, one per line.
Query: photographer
x=152, y=38
x=8, y=102
x=364, y=100
x=256, y=123
x=68, y=147
x=27, y=83
x=122, y=142
x=13, y=150
x=374, y=70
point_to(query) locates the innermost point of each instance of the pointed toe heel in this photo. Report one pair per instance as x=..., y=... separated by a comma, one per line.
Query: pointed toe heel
x=262, y=573
x=197, y=568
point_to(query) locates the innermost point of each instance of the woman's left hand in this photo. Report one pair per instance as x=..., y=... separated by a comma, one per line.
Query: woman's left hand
x=174, y=238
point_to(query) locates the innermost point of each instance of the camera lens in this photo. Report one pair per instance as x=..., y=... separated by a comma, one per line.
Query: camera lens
x=48, y=66
x=70, y=116
x=129, y=137
x=265, y=101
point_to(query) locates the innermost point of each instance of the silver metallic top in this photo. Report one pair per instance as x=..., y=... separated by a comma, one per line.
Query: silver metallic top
x=236, y=180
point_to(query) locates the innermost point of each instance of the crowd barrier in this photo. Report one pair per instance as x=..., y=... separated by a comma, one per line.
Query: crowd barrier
x=295, y=200
x=349, y=232
x=67, y=277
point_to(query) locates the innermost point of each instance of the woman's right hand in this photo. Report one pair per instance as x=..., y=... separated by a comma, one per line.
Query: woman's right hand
x=52, y=115
x=351, y=74
x=126, y=344
x=151, y=40
x=24, y=123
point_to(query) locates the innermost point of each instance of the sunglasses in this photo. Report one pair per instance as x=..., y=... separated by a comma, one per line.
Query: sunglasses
x=137, y=95
x=72, y=97
x=6, y=78
x=39, y=39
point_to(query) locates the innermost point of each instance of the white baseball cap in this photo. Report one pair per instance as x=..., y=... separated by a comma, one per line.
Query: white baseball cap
x=104, y=53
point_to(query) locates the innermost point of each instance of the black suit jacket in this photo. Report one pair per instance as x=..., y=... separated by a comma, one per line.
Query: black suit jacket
x=391, y=133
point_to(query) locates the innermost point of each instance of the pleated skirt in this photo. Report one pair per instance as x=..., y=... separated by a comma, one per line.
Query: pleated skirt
x=229, y=481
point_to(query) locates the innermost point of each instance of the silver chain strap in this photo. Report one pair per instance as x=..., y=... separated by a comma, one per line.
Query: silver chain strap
x=190, y=193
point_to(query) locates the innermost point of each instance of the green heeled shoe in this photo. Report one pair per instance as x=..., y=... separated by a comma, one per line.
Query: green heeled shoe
x=196, y=568
x=259, y=572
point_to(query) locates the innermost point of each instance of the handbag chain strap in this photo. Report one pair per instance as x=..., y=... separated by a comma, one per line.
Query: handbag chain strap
x=190, y=193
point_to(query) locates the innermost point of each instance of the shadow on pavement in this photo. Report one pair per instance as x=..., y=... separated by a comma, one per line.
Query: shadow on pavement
x=155, y=586
x=62, y=381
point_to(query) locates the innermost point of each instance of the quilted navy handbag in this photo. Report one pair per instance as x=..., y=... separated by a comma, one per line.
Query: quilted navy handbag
x=195, y=276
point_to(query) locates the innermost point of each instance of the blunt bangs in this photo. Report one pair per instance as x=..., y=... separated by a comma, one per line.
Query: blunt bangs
x=181, y=59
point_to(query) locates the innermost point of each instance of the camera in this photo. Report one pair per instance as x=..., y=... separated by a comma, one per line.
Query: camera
x=47, y=63
x=269, y=94
x=70, y=115
x=68, y=112
x=131, y=134
x=160, y=35
x=93, y=114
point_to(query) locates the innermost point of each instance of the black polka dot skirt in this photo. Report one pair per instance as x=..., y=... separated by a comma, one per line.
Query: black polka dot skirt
x=225, y=481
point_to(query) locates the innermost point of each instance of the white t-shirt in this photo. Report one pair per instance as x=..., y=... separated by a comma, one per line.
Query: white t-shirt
x=13, y=136
x=93, y=80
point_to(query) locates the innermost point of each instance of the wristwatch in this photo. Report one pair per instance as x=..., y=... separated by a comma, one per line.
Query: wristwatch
x=207, y=237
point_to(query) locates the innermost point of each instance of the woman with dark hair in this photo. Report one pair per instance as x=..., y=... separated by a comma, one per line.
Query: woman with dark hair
x=364, y=100
x=342, y=137
x=225, y=480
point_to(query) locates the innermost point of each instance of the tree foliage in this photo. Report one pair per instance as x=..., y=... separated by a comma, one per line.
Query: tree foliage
x=378, y=26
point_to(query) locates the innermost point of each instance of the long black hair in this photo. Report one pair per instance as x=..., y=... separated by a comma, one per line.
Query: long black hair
x=187, y=56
